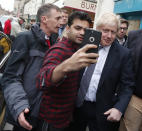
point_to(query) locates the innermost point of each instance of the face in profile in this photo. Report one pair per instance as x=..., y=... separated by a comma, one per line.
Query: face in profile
x=122, y=31
x=77, y=30
x=21, y=21
x=108, y=34
x=52, y=22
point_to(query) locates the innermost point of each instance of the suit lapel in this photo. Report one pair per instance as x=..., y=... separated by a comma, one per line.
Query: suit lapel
x=111, y=59
x=81, y=74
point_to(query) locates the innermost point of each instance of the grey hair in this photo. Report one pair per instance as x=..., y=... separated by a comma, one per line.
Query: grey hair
x=45, y=10
x=108, y=19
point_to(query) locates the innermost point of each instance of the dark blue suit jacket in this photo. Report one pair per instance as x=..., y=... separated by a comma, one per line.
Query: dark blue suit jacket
x=134, y=43
x=115, y=86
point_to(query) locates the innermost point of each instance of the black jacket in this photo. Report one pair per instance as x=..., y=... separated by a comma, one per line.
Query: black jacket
x=18, y=81
x=134, y=43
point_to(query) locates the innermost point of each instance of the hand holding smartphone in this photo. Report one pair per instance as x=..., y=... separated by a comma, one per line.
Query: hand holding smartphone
x=92, y=37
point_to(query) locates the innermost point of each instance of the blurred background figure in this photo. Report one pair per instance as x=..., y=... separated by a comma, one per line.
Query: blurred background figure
x=122, y=31
x=16, y=27
x=33, y=21
x=7, y=26
x=64, y=21
x=1, y=29
x=28, y=26
x=56, y=36
x=21, y=22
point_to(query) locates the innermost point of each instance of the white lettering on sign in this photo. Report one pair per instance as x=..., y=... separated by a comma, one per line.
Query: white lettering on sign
x=88, y=5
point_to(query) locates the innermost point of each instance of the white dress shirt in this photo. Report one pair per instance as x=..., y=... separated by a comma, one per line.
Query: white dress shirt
x=121, y=41
x=91, y=93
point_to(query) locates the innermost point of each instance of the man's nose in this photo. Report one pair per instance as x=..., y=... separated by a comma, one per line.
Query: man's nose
x=82, y=32
x=109, y=34
x=122, y=30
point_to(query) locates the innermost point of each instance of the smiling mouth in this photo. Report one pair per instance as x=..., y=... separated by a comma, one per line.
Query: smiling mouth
x=107, y=41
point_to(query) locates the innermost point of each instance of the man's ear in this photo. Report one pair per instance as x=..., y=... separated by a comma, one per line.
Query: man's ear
x=67, y=29
x=44, y=19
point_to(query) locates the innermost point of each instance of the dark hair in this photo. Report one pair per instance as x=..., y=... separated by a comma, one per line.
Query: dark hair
x=124, y=21
x=20, y=18
x=33, y=20
x=79, y=15
x=45, y=10
x=64, y=11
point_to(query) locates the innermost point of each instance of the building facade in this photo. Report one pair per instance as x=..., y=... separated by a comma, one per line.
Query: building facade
x=130, y=10
x=19, y=7
x=31, y=7
x=103, y=6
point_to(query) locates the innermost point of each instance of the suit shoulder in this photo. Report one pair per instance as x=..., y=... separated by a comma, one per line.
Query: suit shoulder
x=135, y=32
x=122, y=48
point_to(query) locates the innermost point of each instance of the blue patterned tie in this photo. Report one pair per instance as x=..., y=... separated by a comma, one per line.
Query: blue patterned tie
x=85, y=81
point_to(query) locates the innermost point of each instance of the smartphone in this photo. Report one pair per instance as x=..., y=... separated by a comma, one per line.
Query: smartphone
x=92, y=37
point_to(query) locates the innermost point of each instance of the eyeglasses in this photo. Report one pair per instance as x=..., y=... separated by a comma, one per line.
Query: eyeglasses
x=121, y=28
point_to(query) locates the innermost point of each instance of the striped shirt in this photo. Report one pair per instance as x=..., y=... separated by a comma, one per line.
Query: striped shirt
x=58, y=100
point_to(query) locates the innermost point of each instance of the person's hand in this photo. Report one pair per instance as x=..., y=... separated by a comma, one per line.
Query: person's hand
x=81, y=59
x=77, y=61
x=113, y=115
x=22, y=121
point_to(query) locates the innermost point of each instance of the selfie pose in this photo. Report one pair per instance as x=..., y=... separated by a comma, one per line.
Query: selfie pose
x=59, y=76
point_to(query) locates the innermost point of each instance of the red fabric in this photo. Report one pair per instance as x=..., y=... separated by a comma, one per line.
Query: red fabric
x=48, y=42
x=7, y=27
x=58, y=100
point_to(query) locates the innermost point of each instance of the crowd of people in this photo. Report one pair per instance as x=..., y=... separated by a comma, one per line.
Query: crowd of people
x=51, y=84
x=13, y=26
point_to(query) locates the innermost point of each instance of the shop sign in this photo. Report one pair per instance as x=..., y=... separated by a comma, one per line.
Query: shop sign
x=81, y=4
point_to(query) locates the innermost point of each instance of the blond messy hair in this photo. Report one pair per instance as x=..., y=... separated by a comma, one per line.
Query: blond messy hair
x=108, y=19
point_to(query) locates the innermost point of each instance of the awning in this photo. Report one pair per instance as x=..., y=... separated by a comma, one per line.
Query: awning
x=83, y=5
x=59, y=3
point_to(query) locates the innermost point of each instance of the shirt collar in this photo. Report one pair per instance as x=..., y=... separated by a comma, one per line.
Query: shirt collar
x=121, y=41
x=106, y=48
x=46, y=37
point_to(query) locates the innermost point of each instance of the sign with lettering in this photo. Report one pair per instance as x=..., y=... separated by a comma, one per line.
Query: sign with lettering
x=81, y=5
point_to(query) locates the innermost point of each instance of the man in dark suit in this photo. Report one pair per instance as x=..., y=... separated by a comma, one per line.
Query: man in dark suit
x=105, y=87
x=132, y=120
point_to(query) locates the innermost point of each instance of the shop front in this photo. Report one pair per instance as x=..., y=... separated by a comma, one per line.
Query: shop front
x=88, y=6
x=130, y=10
